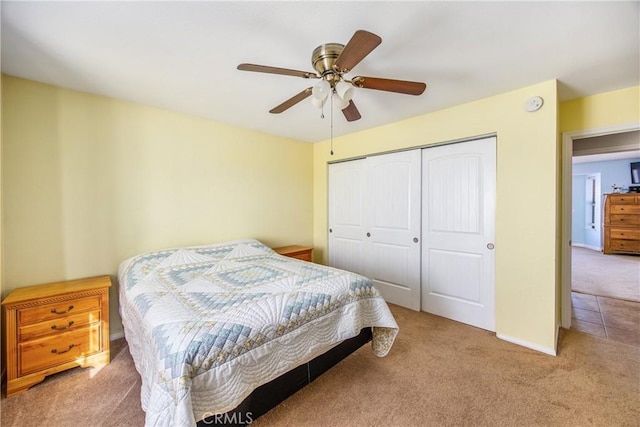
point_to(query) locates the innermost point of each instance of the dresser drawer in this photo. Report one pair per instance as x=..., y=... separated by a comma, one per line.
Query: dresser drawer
x=47, y=352
x=623, y=199
x=58, y=310
x=625, y=209
x=619, y=245
x=58, y=325
x=625, y=233
x=624, y=220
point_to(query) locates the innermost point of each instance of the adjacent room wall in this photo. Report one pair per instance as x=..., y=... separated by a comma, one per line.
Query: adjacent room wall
x=527, y=197
x=89, y=181
x=612, y=172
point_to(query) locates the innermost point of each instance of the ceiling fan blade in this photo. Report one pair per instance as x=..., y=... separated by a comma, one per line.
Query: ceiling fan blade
x=276, y=70
x=291, y=101
x=351, y=113
x=389, y=85
x=360, y=45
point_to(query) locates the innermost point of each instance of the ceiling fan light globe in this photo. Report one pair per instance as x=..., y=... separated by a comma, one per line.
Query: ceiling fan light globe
x=318, y=103
x=340, y=103
x=321, y=90
x=344, y=91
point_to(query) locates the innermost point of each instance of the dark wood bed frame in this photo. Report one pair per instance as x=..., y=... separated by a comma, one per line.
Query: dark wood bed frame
x=269, y=395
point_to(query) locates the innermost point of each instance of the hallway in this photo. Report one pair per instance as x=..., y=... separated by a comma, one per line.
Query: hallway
x=605, y=297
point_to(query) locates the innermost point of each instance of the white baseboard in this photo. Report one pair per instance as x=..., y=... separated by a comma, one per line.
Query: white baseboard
x=580, y=245
x=532, y=346
x=116, y=336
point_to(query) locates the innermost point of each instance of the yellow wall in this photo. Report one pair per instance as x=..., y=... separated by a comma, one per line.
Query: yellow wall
x=604, y=109
x=526, y=200
x=1, y=215
x=89, y=181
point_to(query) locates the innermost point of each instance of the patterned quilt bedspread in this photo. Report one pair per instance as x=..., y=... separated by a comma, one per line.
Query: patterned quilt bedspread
x=206, y=325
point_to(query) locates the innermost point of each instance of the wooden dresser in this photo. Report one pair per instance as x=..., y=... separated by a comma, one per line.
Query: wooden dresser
x=53, y=327
x=295, y=251
x=621, y=224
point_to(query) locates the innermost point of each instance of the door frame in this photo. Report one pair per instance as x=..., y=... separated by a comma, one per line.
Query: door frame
x=566, y=178
x=597, y=210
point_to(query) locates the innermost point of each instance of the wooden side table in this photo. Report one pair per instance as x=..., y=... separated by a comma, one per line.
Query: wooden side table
x=295, y=251
x=54, y=327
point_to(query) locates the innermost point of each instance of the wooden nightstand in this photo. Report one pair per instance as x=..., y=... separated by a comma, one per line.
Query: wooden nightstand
x=295, y=251
x=54, y=327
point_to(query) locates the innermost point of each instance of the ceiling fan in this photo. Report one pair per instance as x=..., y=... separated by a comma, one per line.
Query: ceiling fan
x=331, y=62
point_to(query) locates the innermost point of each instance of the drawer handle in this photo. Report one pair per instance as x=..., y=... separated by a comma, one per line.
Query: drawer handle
x=60, y=328
x=56, y=351
x=55, y=311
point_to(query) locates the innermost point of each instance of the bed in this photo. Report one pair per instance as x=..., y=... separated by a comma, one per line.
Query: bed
x=207, y=325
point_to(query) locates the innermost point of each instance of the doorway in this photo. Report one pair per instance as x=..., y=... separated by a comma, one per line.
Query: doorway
x=582, y=252
x=586, y=210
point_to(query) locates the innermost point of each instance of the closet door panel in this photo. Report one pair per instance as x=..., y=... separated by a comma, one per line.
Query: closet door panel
x=347, y=216
x=458, y=229
x=393, y=226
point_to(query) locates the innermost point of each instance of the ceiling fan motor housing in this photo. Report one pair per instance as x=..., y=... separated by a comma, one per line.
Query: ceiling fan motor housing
x=323, y=59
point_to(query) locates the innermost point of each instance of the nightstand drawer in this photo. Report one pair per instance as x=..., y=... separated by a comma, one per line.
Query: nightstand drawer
x=57, y=310
x=294, y=251
x=57, y=326
x=46, y=352
x=305, y=256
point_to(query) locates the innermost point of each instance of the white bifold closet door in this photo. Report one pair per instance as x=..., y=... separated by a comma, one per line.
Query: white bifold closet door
x=458, y=229
x=374, y=222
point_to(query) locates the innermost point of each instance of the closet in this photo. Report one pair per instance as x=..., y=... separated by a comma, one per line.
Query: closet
x=374, y=222
x=420, y=224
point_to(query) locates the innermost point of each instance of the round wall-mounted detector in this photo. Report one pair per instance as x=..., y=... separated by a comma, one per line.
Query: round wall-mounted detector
x=533, y=104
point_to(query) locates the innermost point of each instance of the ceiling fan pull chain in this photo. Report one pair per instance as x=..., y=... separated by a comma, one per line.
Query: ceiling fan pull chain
x=331, y=113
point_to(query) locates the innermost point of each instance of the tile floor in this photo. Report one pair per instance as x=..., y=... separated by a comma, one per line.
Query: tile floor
x=610, y=318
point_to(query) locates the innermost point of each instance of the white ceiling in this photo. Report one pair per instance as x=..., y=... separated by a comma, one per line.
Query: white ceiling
x=182, y=56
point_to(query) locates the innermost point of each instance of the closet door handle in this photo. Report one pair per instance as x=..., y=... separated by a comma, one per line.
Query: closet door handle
x=490, y=246
x=368, y=234
x=415, y=240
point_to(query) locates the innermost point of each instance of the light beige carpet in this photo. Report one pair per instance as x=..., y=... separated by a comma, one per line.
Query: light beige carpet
x=615, y=276
x=439, y=373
